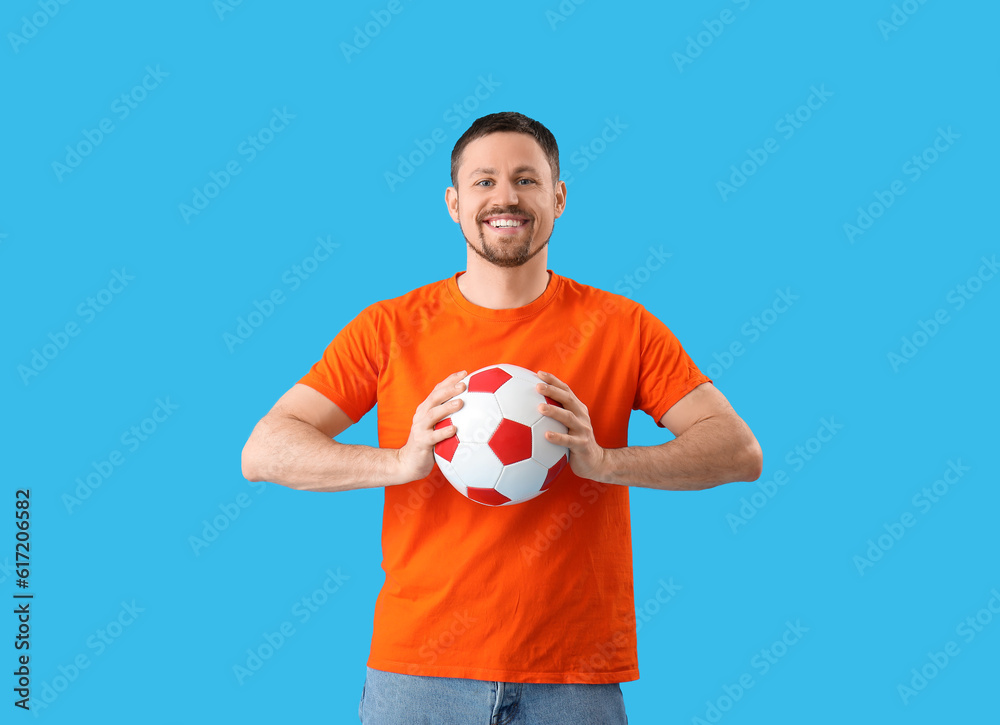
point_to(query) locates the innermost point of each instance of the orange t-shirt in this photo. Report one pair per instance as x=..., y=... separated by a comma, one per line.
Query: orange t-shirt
x=534, y=592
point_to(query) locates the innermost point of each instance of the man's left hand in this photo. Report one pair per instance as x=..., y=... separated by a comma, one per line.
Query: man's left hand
x=586, y=458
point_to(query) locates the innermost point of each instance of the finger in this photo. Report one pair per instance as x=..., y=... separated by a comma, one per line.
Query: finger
x=553, y=392
x=446, y=408
x=449, y=382
x=556, y=389
x=447, y=388
x=561, y=439
x=443, y=432
x=445, y=395
x=561, y=397
x=556, y=413
x=552, y=379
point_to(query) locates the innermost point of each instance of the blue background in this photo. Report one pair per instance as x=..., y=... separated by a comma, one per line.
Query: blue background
x=689, y=104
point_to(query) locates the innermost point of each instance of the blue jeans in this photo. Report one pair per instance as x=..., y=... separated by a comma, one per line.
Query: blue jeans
x=393, y=699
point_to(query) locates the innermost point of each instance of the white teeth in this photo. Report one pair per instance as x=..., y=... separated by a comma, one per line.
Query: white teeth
x=497, y=223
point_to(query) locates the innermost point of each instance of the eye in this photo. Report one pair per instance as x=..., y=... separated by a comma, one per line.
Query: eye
x=482, y=181
x=530, y=181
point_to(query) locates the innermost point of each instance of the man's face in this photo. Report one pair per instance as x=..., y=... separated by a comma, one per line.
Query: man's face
x=505, y=199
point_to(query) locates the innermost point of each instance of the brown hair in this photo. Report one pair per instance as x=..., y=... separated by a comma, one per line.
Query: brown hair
x=507, y=121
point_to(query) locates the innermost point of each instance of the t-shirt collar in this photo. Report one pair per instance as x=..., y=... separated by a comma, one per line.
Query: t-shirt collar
x=514, y=313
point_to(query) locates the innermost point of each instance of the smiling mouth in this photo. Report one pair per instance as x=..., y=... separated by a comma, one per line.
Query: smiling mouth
x=506, y=222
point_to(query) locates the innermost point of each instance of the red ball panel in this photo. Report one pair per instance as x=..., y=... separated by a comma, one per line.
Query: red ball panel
x=488, y=496
x=554, y=471
x=511, y=442
x=550, y=401
x=446, y=448
x=488, y=380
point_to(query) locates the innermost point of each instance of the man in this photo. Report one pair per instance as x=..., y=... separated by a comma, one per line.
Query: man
x=513, y=614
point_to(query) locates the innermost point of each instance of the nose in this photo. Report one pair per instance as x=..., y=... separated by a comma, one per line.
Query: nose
x=506, y=193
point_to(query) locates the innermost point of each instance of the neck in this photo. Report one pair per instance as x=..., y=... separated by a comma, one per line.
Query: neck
x=503, y=288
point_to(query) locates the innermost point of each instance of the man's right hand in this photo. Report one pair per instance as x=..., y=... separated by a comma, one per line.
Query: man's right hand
x=416, y=458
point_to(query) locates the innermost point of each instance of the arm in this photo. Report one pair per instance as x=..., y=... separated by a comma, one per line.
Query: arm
x=712, y=445
x=293, y=444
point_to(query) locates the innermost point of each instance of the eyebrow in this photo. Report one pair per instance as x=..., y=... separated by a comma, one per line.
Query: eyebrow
x=492, y=172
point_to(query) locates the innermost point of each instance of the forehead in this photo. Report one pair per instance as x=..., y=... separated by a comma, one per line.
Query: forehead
x=503, y=150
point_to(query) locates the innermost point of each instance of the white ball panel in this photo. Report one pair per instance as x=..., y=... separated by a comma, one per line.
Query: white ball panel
x=477, y=465
x=451, y=474
x=520, y=373
x=478, y=418
x=522, y=480
x=543, y=450
x=519, y=401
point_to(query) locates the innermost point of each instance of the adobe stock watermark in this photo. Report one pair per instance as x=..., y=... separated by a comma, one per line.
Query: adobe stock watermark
x=61, y=338
x=638, y=277
x=292, y=279
x=454, y=116
x=420, y=318
x=228, y=513
x=562, y=12
x=6, y=570
x=121, y=107
x=913, y=169
x=224, y=7
x=434, y=646
x=132, y=439
x=585, y=154
x=551, y=531
x=653, y=605
x=302, y=611
x=601, y=658
x=100, y=642
x=900, y=16
x=578, y=334
x=787, y=126
x=248, y=148
x=762, y=663
x=797, y=458
x=364, y=35
x=610, y=308
x=936, y=662
x=426, y=488
x=697, y=44
x=924, y=500
x=420, y=494
x=47, y=9
x=752, y=330
x=957, y=297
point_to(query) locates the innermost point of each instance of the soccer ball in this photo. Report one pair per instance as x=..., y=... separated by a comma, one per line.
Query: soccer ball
x=499, y=455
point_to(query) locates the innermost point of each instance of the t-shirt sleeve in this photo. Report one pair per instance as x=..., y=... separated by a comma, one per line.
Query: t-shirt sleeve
x=666, y=372
x=347, y=373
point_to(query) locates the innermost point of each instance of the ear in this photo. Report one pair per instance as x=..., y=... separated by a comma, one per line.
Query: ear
x=560, y=199
x=451, y=200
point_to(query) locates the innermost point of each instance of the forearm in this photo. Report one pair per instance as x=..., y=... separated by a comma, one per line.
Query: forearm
x=711, y=452
x=293, y=453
